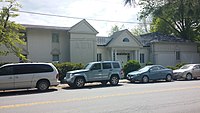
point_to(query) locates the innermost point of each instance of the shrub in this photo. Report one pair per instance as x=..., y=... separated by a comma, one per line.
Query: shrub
x=131, y=65
x=171, y=67
x=63, y=68
x=176, y=67
x=180, y=65
x=149, y=63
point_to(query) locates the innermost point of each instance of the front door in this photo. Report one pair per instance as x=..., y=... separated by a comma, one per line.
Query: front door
x=155, y=73
x=123, y=58
x=196, y=71
x=95, y=72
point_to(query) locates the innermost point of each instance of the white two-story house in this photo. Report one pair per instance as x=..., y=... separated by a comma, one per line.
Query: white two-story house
x=79, y=44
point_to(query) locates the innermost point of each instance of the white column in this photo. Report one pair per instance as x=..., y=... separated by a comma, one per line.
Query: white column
x=136, y=56
x=112, y=54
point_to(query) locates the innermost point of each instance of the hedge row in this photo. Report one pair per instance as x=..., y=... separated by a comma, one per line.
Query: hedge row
x=63, y=68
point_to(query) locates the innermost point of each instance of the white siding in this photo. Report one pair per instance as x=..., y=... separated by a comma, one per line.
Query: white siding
x=82, y=48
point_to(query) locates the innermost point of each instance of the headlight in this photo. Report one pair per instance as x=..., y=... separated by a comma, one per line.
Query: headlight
x=71, y=74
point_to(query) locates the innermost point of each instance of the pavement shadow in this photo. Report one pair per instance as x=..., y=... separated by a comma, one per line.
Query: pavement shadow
x=92, y=86
x=187, y=80
x=23, y=92
x=150, y=82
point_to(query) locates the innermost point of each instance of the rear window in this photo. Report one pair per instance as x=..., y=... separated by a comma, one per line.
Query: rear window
x=116, y=65
x=32, y=68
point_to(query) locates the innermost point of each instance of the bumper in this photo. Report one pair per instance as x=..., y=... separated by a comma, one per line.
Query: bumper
x=134, y=78
x=69, y=80
x=55, y=83
x=178, y=76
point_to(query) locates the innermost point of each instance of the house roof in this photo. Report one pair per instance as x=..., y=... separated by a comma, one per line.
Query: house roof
x=88, y=28
x=46, y=27
x=103, y=41
x=149, y=38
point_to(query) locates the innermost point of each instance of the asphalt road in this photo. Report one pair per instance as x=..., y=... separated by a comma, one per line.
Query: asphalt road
x=157, y=97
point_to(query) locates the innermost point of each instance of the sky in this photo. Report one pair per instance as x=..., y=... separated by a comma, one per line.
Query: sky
x=113, y=10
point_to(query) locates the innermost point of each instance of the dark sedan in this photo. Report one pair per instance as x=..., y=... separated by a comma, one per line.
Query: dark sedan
x=152, y=72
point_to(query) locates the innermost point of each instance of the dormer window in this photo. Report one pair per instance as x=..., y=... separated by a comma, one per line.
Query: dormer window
x=125, y=40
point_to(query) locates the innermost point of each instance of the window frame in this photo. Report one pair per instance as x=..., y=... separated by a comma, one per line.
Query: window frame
x=55, y=37
x=54, y=58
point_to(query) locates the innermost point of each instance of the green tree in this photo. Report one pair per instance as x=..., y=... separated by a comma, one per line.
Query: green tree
x=9, y=30
x=181, y=16
x=138, y=30
x=115, y=28
x=158, y=25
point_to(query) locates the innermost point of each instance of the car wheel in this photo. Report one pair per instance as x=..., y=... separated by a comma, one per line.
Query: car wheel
x=145, y=79
x=79, y=82
x=168, y=78
x=132, y=81
x=104, y=82
x=43, y=85
x=114, y=80
x=189, y=76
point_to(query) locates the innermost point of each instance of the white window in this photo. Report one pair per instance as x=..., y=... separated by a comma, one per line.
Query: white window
x=55, y=57
x=125, y=40
x=99, y=57
x=178, y=55
x=141, y=57
x=55, y=37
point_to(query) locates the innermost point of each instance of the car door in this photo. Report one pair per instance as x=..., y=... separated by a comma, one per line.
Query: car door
x=23, y=76
x=196, y=71
x=154, y=73
x=107, y=70
x=95, y=72
x=6, y=77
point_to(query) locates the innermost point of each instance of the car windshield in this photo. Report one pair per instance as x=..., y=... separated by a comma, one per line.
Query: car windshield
x=146, y=68
x=185, y=67
x=87, y=66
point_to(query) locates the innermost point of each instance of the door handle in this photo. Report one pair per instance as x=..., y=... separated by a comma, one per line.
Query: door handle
x=100, y=71
x=10, y=77
x=16, y=77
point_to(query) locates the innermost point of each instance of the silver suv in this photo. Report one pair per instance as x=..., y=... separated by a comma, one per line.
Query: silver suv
x=104, y=72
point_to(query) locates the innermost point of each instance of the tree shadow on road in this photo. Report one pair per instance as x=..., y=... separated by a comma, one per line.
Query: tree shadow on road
x=23, y=92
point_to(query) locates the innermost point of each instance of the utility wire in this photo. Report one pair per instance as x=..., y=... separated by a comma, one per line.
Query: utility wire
x=45, y=14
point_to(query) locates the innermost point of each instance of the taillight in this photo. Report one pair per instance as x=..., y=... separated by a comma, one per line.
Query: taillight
x=122, y=73
x=57, y=76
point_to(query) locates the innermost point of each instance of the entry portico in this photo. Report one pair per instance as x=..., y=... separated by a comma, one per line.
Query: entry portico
x=121, y=46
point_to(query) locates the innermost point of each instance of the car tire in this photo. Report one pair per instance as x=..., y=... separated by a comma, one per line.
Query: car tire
x=188, y=76
x=43, y=85
x=168, y=78
x=145, y=79
x=79, y=82
x=104, y=83
x=114, y=80
x=132, y=81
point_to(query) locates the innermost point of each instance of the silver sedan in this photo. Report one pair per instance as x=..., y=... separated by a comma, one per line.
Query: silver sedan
x=188, y=72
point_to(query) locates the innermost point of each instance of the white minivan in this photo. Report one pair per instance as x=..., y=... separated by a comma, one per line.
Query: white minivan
x=28, y=75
